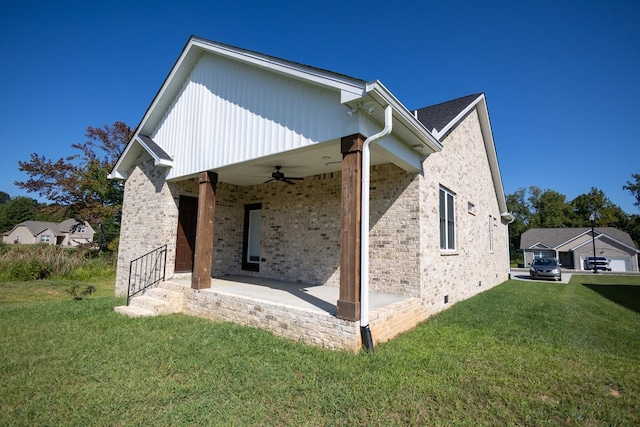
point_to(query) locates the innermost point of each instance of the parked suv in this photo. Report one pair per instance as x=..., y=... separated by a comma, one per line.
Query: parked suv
x=601, y=263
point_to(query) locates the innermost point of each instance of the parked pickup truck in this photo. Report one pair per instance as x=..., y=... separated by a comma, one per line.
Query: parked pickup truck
x=601, y=263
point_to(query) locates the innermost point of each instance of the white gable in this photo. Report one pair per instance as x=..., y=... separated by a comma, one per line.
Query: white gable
x=228, y=112
x=239, y=113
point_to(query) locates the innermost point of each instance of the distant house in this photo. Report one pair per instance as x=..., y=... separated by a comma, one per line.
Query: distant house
x=67, y=233
x=571, y=246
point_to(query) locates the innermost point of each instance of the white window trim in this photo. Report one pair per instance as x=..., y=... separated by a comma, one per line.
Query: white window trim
x=450, y=223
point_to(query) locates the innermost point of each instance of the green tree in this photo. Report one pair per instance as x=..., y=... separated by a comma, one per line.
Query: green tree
x=518, y=206
x=609, y=214
x=16, y=211
x=4, y=198
x=634, y=188
x=549, y=208
x=78, y=185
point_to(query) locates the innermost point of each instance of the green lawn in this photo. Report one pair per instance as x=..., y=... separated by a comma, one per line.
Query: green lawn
x=520, y=354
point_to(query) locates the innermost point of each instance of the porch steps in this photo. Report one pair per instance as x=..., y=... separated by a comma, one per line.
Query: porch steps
x=154, y=302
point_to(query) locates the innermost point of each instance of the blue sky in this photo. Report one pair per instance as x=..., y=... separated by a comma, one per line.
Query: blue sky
x=561, y=77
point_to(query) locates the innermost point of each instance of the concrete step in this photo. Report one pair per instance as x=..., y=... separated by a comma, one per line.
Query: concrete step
x=150, y=303
x=133, y=311
x=175, y=300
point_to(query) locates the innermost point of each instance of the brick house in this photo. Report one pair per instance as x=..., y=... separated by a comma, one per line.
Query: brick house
x=262, y=170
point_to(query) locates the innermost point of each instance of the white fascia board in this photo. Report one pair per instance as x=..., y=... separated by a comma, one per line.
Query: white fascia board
x=573, y=238
x=349, y=88
x=533, y=247
x=606, y=236
x=381, y=94
x=119, y=169
x=157, y=161
x=399, y=154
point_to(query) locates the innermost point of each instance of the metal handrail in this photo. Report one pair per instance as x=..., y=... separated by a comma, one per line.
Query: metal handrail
x=147, y=270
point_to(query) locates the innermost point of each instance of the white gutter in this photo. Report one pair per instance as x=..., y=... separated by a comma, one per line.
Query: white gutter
x=364, y=221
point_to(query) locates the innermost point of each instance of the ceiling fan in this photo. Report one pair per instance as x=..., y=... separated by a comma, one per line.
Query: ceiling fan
x=279, y=176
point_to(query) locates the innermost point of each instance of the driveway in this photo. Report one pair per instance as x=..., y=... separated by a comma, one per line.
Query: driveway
x=523, y=274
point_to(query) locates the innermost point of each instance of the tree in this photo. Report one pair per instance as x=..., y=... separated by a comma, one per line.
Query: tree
x=634, y=188
x=78, y=184
x=549, y=208
x=518, y=206
x=4, y=198
x=16, y=211
x=609, y=214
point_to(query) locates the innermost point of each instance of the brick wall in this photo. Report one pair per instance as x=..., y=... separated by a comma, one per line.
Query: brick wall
x=473, y=267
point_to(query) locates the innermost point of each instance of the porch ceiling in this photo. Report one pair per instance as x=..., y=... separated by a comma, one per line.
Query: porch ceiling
x=318, y=159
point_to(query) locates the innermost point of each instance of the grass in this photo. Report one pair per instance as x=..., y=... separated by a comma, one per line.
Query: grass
x=520, y=354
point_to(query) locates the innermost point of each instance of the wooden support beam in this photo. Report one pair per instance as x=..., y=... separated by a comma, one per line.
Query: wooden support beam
x=202, y=260
x=349, y=301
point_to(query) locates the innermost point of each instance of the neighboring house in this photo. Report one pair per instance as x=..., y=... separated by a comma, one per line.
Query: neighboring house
x=66, y=233
x=571, y=246
x=201, y=177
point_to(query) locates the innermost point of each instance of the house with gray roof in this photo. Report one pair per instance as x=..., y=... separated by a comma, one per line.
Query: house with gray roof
x=66, y=233
x=571, y=246
x=306, y=202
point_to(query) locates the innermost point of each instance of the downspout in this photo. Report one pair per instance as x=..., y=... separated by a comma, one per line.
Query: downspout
x=510, y=218
x=365, y=331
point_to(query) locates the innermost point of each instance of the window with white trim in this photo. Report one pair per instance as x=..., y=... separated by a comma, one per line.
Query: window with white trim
x=447, y=220
x=45, y=238
x=541, y=254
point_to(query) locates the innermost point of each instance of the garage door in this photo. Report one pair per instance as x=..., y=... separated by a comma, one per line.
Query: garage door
x=620, y=264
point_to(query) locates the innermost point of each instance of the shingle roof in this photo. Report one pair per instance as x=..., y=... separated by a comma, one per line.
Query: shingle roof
x=37, y=227
x=440, y=115
x=554, y=237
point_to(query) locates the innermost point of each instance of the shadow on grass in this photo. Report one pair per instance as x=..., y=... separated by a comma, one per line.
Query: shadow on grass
x=625, y=295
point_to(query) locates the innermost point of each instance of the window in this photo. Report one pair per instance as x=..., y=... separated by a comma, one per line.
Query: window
x=447, y=220
x=45, y=239
x=252, y=237
x=81, y=229
x=541, y=254
x=471, y=208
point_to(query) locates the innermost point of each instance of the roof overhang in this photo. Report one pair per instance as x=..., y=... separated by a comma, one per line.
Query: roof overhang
x=134, y=147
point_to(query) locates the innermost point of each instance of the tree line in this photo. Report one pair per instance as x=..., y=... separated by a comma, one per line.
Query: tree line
x=534, y=207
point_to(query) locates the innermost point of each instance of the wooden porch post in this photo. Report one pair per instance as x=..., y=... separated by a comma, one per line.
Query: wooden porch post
x=349, y=301
x=201, y=276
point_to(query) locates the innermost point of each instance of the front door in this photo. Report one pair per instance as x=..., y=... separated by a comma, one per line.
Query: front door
x=186, y=235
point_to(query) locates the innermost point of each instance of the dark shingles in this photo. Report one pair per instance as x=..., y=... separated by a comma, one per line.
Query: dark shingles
x=440, y=115
x=554, y=237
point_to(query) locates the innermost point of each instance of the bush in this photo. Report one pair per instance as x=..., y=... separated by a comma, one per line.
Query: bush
x=39, y=262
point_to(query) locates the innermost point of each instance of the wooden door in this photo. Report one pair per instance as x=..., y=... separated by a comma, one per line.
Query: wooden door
x=186, y=235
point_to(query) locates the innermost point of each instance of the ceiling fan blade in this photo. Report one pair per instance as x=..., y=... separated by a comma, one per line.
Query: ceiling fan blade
x=287, y=181
x=297, y=179
x=269, y=180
